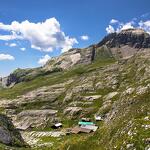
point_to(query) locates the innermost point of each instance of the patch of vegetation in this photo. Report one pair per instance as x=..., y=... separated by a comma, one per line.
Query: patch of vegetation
x=116, y=134
x=51, y=79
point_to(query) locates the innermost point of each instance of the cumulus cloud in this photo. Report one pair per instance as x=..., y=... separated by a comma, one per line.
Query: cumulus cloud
x=117, y=26
x=11, y=36
x=113, y=21
x=6, y=57
x=43, y=36
x=44, y=59
x=145, y=25
x=12, y=44
x=110, y=29
x=121, y=26
x=127, y=26
x=22, y=48
x=84, y=37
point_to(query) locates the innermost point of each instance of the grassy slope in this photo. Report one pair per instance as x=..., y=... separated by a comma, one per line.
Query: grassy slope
x=113, y=135
x=51, y=79
x=127, y=126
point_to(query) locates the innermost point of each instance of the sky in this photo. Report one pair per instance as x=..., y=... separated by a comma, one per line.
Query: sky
x=34, y=31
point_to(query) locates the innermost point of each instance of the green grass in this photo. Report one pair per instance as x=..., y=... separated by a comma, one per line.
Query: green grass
x=51, y=79
x=130, y=114
x=111, y=135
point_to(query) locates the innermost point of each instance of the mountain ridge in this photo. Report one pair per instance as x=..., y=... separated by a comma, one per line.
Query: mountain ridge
x=120, y=45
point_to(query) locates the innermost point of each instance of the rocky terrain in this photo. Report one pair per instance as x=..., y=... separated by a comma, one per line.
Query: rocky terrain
x=8, y=134
x=110, y=79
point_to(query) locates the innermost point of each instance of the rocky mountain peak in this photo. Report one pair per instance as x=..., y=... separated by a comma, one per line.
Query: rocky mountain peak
x=136, y=31
x=136, y=38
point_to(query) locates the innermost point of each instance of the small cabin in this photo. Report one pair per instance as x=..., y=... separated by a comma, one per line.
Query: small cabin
x=98, y=118
x=56, y=126
x=85, y=119
x=77, y=130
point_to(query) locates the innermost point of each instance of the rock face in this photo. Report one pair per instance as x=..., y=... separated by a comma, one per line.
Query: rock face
x=34, y=118
x=126, y=43
x=43, y=94
x=72, y=112
x=8, y=81
x=71, y=58
x=19, y=75
x=92, y=97
x=136, y=38
x=8, y=134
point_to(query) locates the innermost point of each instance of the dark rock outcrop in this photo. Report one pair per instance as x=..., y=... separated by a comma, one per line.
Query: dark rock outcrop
x=136, y=38
x=8, y=134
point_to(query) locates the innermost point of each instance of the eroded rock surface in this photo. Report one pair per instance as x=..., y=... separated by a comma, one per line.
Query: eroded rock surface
x=8, y=134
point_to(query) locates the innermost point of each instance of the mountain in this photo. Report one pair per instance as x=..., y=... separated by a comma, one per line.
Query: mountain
x=136, y=38
x=108, y=79
x=116, y=45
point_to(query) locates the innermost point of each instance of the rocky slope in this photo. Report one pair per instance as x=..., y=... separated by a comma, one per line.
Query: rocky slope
x=110, y=79
x=8, y=134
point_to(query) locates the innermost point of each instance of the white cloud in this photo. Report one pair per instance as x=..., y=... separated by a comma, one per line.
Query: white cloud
x=44, y=59
x=145, y=25
x=113, y=21
x=12, y=44
x=6, y=57
x=120, y=26
x=127, y=26
x=110, y=29
x=84, y=37
x=138, y=22
x=43, y=36
x=22, y=48
x=12, y=36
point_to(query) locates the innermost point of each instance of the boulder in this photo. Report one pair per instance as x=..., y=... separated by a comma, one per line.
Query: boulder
x=8, y=134
x=72, y=112
x=92, y=97
x=110, y=95
x=34, y=118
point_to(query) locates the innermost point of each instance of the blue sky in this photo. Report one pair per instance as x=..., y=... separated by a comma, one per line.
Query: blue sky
x=33, y=31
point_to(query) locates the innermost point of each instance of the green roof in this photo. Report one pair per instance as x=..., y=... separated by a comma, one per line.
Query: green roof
x=85, y=123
